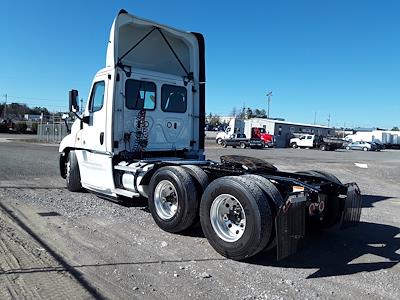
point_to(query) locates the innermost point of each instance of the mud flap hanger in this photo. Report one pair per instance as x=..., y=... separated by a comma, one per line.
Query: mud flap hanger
x=128, y=69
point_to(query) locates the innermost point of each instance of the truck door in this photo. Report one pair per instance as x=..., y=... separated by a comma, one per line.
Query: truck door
x=176, y=105
x=94, y=160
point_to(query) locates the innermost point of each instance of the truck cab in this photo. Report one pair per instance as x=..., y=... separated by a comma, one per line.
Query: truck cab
x=147, y=102
x=142, y=135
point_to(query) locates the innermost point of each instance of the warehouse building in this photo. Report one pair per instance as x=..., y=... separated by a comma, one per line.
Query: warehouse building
x=284, y=130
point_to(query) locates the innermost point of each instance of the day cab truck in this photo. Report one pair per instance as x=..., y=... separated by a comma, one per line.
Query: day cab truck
x=142, y=135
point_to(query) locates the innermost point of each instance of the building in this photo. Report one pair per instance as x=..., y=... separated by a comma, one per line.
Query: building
x=30, y=117
x=284, y=130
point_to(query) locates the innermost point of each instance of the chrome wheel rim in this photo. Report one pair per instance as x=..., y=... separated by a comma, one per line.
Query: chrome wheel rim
x=228, y=218
x=165, y=199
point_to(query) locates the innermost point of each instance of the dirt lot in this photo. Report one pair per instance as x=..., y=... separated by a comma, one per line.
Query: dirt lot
x=57, y=244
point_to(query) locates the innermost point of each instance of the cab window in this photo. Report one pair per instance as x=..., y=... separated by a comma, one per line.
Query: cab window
x=173, y=98
x=97, y=98
x=140, y=94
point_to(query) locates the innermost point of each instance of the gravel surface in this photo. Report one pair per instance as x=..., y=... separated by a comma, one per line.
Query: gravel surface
x=102, y=249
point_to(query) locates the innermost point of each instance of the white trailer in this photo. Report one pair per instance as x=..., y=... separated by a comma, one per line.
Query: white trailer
x=142, y=135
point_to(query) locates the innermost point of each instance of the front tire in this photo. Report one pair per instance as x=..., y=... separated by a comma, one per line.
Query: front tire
x=293, y=145
x=242, y=145
x=235, y=217
x=173, y=199
x=365, y=149
x=219, y=140
x=72, y=173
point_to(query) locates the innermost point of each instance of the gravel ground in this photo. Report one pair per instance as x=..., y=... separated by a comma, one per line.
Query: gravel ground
x=100, y=249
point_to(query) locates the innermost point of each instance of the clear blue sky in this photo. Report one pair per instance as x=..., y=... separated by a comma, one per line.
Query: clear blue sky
x=331, y=57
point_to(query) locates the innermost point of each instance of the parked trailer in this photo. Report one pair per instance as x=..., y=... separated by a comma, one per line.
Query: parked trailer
x=142, y=135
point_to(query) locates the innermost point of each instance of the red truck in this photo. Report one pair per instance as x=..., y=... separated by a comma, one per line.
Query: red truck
x=260, y=133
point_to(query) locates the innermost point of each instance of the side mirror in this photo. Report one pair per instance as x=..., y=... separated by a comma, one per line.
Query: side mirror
x=73, y=101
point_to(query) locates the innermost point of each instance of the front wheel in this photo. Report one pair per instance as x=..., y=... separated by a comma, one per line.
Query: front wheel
x=242, y=145
x=365, y=149
x=219, y=140
x=223, y=144
x=347, y=147
x=293, y=145
x=73, y=176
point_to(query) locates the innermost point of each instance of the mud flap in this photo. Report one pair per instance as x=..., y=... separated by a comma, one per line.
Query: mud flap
x=352, y=206
x=290, y=225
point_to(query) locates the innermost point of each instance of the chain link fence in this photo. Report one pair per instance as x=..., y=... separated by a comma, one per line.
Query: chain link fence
x=52, y=133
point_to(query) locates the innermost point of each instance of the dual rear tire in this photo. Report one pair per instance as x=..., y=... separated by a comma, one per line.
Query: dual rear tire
x=236, y=212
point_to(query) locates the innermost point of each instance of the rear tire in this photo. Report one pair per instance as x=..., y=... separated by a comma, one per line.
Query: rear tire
x=227, y=204
x=365, y=149
x=72, y=173
x=173, y=199
x=275, y=201
x=223, y=144
x=242, y=145
x=348, y=148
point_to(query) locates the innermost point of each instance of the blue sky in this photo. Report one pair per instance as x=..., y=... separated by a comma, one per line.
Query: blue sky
x=330, y=57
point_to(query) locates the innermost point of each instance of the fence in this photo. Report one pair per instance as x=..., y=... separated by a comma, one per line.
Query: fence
x=52, y=133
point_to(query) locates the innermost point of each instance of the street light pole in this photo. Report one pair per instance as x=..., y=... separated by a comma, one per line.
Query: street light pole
x=5, y=106
x=269, y=94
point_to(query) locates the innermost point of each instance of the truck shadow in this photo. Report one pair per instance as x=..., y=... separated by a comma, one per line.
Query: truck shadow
x=336, y=253
x=369, y=200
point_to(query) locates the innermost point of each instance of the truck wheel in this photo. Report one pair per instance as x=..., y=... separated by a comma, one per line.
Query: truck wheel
x=347, y=147
x=219, y=140
x=365, y=149
x=223, y=144
x=242, y=145
x=322, y=147
x=173, y=200
x=199, y=176
x=235, y=217
x=275, y=201
x=293, y=145
x=73, y=176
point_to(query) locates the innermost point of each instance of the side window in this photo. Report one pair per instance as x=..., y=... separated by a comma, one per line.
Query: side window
x=97, y=98
x=173, y=98
x=140, y=94
x=309, y=137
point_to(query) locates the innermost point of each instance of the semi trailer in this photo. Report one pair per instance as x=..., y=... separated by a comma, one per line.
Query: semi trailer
x=142, y=135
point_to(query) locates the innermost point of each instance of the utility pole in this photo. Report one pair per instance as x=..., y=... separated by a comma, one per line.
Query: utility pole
x=315, y=118
x=5, y=106
x=269, y=94
x=81, y=105
x=329, y=119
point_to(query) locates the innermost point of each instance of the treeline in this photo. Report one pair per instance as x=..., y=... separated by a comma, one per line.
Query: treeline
x=16, y=111
x=243, y=113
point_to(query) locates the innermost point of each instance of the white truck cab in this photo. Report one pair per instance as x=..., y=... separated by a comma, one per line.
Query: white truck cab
x=147, y=102
x=142, y=135
x=235, y=126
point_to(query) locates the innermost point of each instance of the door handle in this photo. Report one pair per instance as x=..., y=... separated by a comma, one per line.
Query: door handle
x=101, y=138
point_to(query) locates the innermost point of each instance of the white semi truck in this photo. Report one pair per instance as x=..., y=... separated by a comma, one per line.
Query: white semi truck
x=141, y=135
